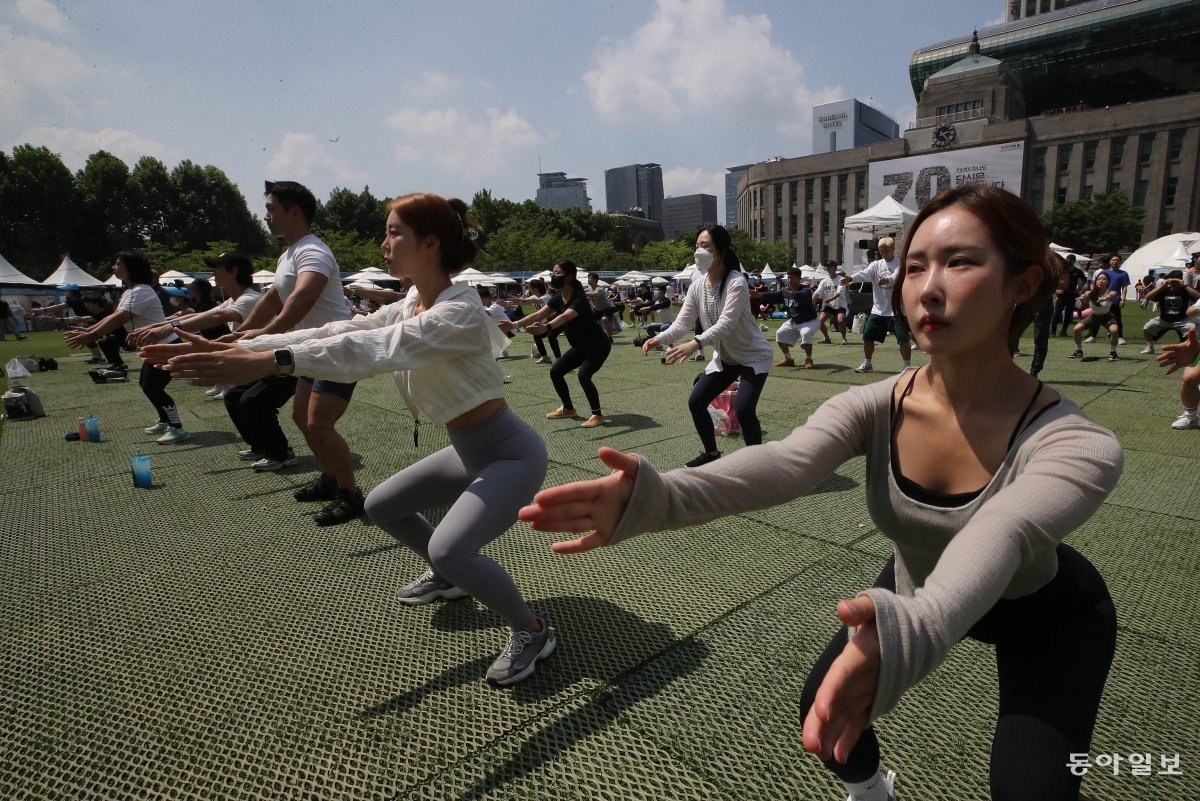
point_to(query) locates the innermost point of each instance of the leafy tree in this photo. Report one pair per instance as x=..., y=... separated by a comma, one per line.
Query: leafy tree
x=154, y=199
x=353, y=252
x=672, y=255
x=107, y=201
x=361, y=213
x=1103, y=223
x=209, y=207
x=38, y=199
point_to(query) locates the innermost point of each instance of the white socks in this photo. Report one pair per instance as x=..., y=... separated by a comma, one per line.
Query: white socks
x=873, y=789
x=907, y=364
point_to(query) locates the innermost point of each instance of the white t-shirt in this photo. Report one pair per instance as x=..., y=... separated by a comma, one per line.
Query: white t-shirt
x=497, y=312
x=310, y=255
x=142, y=302
x=881, y=296
x=241, y=305
x=833, y=294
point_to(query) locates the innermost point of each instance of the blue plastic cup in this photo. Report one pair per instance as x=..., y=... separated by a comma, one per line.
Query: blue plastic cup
x=141, y=471
x=93, y=429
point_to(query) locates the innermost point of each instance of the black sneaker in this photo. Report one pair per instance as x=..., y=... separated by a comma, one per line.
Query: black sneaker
x=1112, y=356
x=347, y=505
x=704, y=459
x=322, y=488
x=1078, y=354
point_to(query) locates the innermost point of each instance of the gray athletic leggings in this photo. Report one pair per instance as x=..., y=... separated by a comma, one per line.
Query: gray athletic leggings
x=490, y=471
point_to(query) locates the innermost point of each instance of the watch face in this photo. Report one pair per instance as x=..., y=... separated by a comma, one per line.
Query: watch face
x=283, y=358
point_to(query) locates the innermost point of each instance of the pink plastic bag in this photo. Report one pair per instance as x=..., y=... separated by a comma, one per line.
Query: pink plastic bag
x=723, y=403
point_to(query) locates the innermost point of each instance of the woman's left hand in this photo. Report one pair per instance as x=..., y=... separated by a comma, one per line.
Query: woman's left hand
x=537, y=329
x=842, y=708
x=78, y=338
x=681, y=353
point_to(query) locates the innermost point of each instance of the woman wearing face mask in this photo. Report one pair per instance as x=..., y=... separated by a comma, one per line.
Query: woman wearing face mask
x=720, y=299
x=569, y=310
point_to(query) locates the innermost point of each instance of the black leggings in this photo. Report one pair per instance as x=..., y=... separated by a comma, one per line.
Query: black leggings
x=153, y=382
x=1053, y=651
x=588, y=365
x=539, y=341
x=745, y=403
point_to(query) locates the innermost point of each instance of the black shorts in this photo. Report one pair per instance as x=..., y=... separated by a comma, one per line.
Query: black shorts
x=323, y=387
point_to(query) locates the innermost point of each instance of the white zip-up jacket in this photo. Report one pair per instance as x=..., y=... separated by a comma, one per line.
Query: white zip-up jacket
x=443, y=359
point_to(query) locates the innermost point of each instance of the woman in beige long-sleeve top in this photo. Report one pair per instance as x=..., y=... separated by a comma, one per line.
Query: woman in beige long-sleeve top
x=975, y=470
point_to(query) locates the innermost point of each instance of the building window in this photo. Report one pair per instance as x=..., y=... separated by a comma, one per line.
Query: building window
x=862, y=185
x=960, y=108
x=808, y=222
x=1145, y=148
x=1060, y=196
x=778, y=225
x=778, y=194
x=1039, y=162
x=1087, y=191
x=842, y=187
x=825, y=188
x=792, y=224
x=1089, y=155
x=808, y=191
x=1118, y=152
x=1169, y=191
x=1139, y=192
x=754, y=229
x=794, y=191
x=1114, y=187
x=1166, y=227
x=1064, y=157
x=1176, y=144
x=808, y=255
x=824, y=221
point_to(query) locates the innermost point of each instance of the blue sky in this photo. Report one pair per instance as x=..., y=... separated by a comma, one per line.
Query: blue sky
x=451, y=97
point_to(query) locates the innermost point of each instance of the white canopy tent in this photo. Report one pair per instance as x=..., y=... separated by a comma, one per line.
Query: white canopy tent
x=263, y=277
x=113, y=280
x=172, y=275
x=370, y=274
x=767, y=273
x=1162, y=252
x=11, y=275
x=473, y=277
x=69, y=272
x=501, y=278
x=885, y=218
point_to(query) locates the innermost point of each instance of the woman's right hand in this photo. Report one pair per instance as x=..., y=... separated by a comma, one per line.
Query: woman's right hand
x=594, y=506
x=649, y=345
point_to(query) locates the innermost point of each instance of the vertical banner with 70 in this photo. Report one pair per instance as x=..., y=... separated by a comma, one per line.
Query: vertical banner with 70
x=915, y=179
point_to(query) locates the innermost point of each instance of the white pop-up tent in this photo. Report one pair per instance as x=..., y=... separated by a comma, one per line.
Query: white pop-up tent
x=885, y=218
x=69, y=272
x=11, y=275
x=1165, y=251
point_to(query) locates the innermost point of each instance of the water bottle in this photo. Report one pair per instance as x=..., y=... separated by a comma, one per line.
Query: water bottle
x=81, y=424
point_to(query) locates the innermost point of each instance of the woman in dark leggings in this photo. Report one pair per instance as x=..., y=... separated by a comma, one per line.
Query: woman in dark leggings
x=140, y=306
x=569, y=310
x=719, y=300
x=976, y=472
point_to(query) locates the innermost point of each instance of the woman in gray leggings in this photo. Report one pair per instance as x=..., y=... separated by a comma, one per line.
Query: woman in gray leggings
x=441, y=346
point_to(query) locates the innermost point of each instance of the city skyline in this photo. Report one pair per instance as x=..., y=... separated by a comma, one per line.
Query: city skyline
x=452, y=99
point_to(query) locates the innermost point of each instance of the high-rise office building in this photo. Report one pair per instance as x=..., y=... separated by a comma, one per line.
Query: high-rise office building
x=557, y=191
x=688, y=213
x=847, y=124
x=732, y=176
x=635, y=190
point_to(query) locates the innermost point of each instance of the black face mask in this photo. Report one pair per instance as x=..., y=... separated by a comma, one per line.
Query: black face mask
x=557, y=281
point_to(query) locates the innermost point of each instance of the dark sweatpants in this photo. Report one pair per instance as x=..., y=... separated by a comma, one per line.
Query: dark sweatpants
x=254, y=409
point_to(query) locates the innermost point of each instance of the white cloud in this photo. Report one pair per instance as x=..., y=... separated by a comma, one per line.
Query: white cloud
x=42, y=14
x=693, y=180
x=675, y=65
x=430, y=83
x=301, y=157
x=464, y=144
x=74, y=145
x=35, y=70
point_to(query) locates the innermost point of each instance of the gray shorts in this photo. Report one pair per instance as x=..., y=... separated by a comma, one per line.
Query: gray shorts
x=1156, y=327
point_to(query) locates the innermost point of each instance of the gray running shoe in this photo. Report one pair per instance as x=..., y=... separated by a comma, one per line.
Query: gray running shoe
x=267, y=464
x=428, y=587
x=519, y=656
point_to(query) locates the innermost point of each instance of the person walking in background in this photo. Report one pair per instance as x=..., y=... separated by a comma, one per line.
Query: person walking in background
x=8, y=322
x=881, y=321
x=977, y=473
x=140, y=307
x=718, y=301
x=1070, y=281
x=568, y=310
x=835, y=299
x=440, y=344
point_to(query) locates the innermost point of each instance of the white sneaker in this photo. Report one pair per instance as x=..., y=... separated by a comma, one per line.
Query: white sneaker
x=1185, y=421
x=1146, y=351
x=1120, y=340
x=173, y=437
x=865, y=367
x=1089, y=340
x=213, y=392
x=889, y=781
x=158, y=428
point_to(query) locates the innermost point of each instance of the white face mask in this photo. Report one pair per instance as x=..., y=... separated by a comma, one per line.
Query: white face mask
x=704, y=260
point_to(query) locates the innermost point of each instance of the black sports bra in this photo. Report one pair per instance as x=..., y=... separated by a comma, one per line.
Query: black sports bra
x=947, y=499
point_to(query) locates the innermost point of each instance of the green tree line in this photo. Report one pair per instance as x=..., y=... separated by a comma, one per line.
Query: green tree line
x=180, y=215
